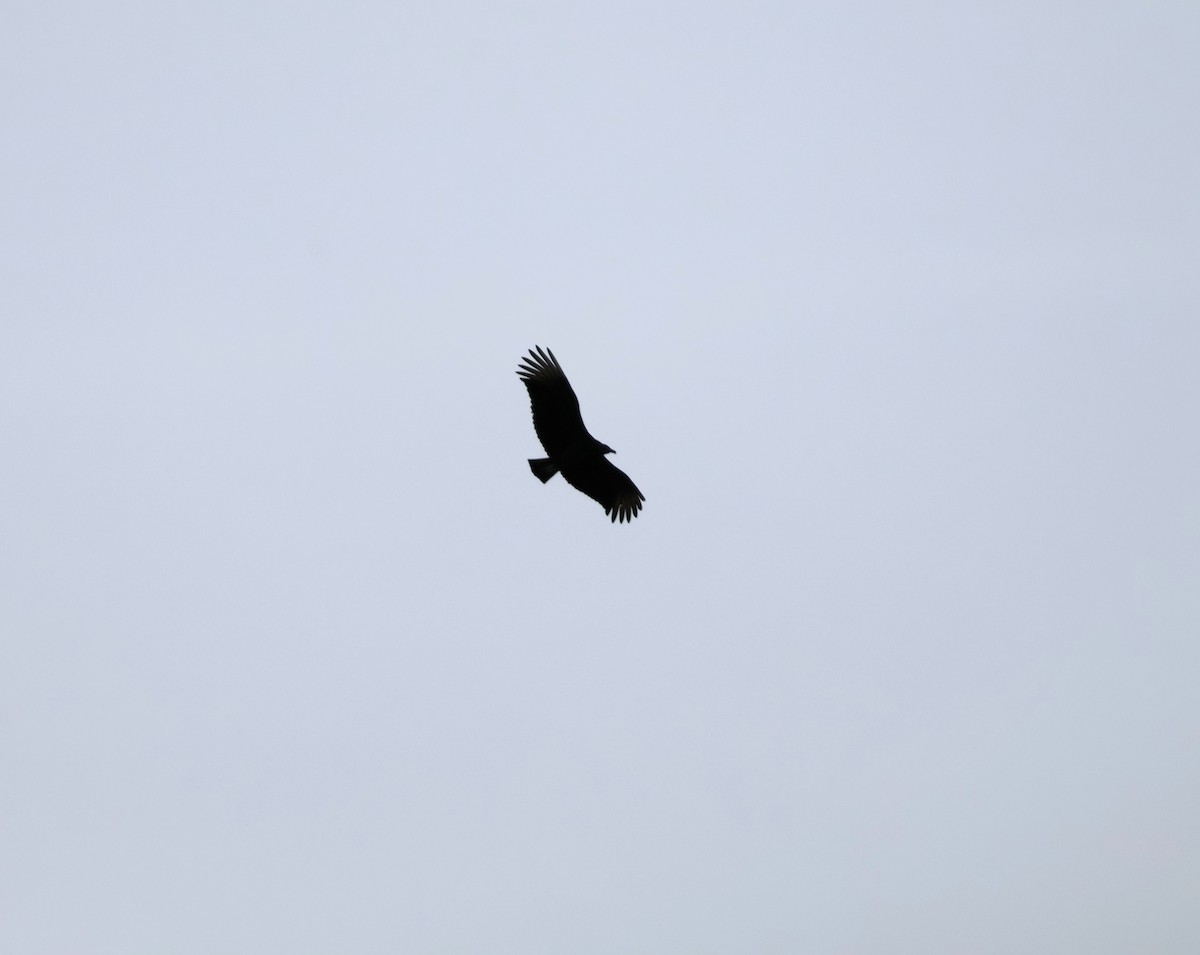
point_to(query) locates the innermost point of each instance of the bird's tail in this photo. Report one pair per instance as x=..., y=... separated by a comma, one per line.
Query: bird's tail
x=543, y=468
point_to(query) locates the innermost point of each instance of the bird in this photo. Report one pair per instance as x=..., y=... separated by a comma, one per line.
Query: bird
x=571, y=450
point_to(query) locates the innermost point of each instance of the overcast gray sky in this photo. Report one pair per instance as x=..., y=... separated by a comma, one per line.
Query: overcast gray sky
x=891, y=310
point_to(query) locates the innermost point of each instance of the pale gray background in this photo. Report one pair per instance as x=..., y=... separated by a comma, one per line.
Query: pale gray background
x=891, y=310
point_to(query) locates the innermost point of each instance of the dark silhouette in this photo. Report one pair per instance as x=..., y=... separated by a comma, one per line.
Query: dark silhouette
x=574, y=452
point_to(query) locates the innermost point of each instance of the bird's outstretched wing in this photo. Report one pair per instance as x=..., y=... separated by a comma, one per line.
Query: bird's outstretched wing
x=556, y=416
x=604, y=482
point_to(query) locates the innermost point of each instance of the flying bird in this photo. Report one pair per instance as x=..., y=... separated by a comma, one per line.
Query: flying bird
x=572, y=451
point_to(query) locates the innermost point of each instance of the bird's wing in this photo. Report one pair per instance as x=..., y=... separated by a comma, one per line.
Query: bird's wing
x=556, y=416
x=603, y=481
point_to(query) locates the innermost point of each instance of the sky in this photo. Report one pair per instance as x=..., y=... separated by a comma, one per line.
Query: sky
x=891, y=312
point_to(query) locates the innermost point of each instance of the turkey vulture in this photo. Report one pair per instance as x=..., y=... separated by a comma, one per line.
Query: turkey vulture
x=574, y=452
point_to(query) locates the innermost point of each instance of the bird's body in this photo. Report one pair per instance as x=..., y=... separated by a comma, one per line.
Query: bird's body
x=571, y=449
